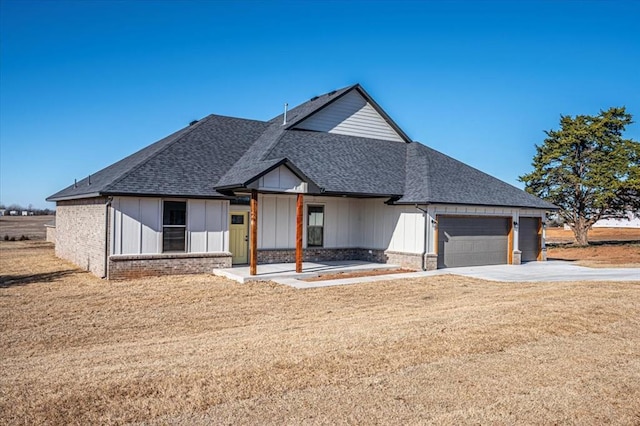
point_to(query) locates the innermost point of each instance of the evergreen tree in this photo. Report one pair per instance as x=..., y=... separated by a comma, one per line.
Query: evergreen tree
x=588, y=169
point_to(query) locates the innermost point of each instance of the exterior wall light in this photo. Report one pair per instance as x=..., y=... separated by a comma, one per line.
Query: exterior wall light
x=515, y=224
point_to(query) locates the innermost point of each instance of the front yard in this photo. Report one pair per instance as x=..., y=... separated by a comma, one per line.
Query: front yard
x=203, y=350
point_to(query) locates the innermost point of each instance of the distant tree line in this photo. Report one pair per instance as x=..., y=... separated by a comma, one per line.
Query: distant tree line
x=18, y=208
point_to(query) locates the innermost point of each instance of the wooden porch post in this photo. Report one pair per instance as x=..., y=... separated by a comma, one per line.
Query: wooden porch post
x=299, y=209
x=253, y=234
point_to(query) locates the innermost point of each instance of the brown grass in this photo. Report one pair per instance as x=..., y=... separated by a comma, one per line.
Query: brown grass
x=29, y=226
x=599, y=256
x=559, y=235
x=203, y=350
x=610, y=247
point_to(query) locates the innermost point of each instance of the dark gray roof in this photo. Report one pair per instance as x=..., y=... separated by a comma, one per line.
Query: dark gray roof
x=253, y=159
x=186, y=163
x=228, y=154
x=433, y=177
x=345, y=164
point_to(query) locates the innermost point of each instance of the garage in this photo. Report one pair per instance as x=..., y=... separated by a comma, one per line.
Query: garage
x=529, y=236
x=473, y=241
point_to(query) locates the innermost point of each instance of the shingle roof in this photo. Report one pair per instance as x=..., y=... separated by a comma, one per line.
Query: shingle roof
x=228, y=153
x=253, y=159
x=433, y=177
x=185, y=163
x=345, y=164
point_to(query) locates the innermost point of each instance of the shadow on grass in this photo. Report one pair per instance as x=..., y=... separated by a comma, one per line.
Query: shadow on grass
x=45, y=277
x=563, y=259
x=593, y=243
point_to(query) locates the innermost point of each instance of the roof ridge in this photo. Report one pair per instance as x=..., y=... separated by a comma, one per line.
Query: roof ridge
x=429, y=171
x=273, y=145
x=188, y=130
x=342, y=91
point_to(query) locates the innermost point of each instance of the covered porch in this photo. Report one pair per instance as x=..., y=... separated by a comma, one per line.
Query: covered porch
x=276, y=271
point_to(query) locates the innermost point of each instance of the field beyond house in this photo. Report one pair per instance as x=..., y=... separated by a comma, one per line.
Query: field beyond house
x=31, y=227
x=609, y=247
x=203, y=350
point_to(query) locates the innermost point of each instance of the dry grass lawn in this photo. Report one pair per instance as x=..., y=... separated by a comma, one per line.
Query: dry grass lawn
x=203, y=350
x=610, y=247
x=596, y=235
x=29, y=226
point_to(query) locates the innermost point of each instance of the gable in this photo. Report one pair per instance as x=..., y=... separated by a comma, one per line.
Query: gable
x=280, y=179
x=351, y=115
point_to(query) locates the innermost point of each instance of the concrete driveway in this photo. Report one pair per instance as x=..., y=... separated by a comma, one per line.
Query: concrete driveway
x=553, y=270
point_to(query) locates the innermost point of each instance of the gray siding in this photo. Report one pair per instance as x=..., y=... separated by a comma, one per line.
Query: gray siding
x=351, y=115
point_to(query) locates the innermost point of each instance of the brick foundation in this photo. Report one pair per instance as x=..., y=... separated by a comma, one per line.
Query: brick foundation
x=50, y=233
x=406, y=260
x=517, y=257
x=431, y=261
x=143, y=265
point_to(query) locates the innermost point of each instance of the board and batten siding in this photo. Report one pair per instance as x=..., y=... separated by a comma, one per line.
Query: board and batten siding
x=281, y=179
x=351, y=115
x=394, y=228
x=207, y=226
x=137, y=226
x=348, y=223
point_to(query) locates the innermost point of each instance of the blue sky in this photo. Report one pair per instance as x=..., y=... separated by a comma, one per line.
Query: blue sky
x=85, y=83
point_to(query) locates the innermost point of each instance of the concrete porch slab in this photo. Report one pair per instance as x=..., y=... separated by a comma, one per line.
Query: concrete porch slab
x=284, y=271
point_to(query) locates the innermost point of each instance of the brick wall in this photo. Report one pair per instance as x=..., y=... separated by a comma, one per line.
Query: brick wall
x=80, y=233
x=406, y=260
x=50, y=233
x=136, y=266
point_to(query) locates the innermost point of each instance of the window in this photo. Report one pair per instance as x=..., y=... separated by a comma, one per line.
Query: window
x=237, y=219
x=315, y=226
x=174, y=226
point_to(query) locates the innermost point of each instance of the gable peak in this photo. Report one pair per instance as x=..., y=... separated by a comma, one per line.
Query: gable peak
x=348, y=111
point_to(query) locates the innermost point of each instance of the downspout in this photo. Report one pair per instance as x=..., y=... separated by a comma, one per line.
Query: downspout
x=106, y=237
x=424, y=242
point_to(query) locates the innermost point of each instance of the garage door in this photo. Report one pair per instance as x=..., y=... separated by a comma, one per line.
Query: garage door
x=472, y=241
x=529, y=238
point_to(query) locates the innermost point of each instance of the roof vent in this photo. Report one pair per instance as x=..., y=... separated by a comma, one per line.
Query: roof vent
x=314, y=98
x=331, y=92
x=193, y=122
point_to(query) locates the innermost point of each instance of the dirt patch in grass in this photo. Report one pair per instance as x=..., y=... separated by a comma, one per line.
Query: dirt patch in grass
x=447, y=350
x=609, y=247
x=357, y=274
x=602, y=256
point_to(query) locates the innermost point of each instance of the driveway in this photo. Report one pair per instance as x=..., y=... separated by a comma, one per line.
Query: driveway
x=553, y=270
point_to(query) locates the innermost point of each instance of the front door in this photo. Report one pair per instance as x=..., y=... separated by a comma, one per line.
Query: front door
x=239, y=237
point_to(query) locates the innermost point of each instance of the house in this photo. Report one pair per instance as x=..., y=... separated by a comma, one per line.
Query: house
x=333, y=178
x=631, y=220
